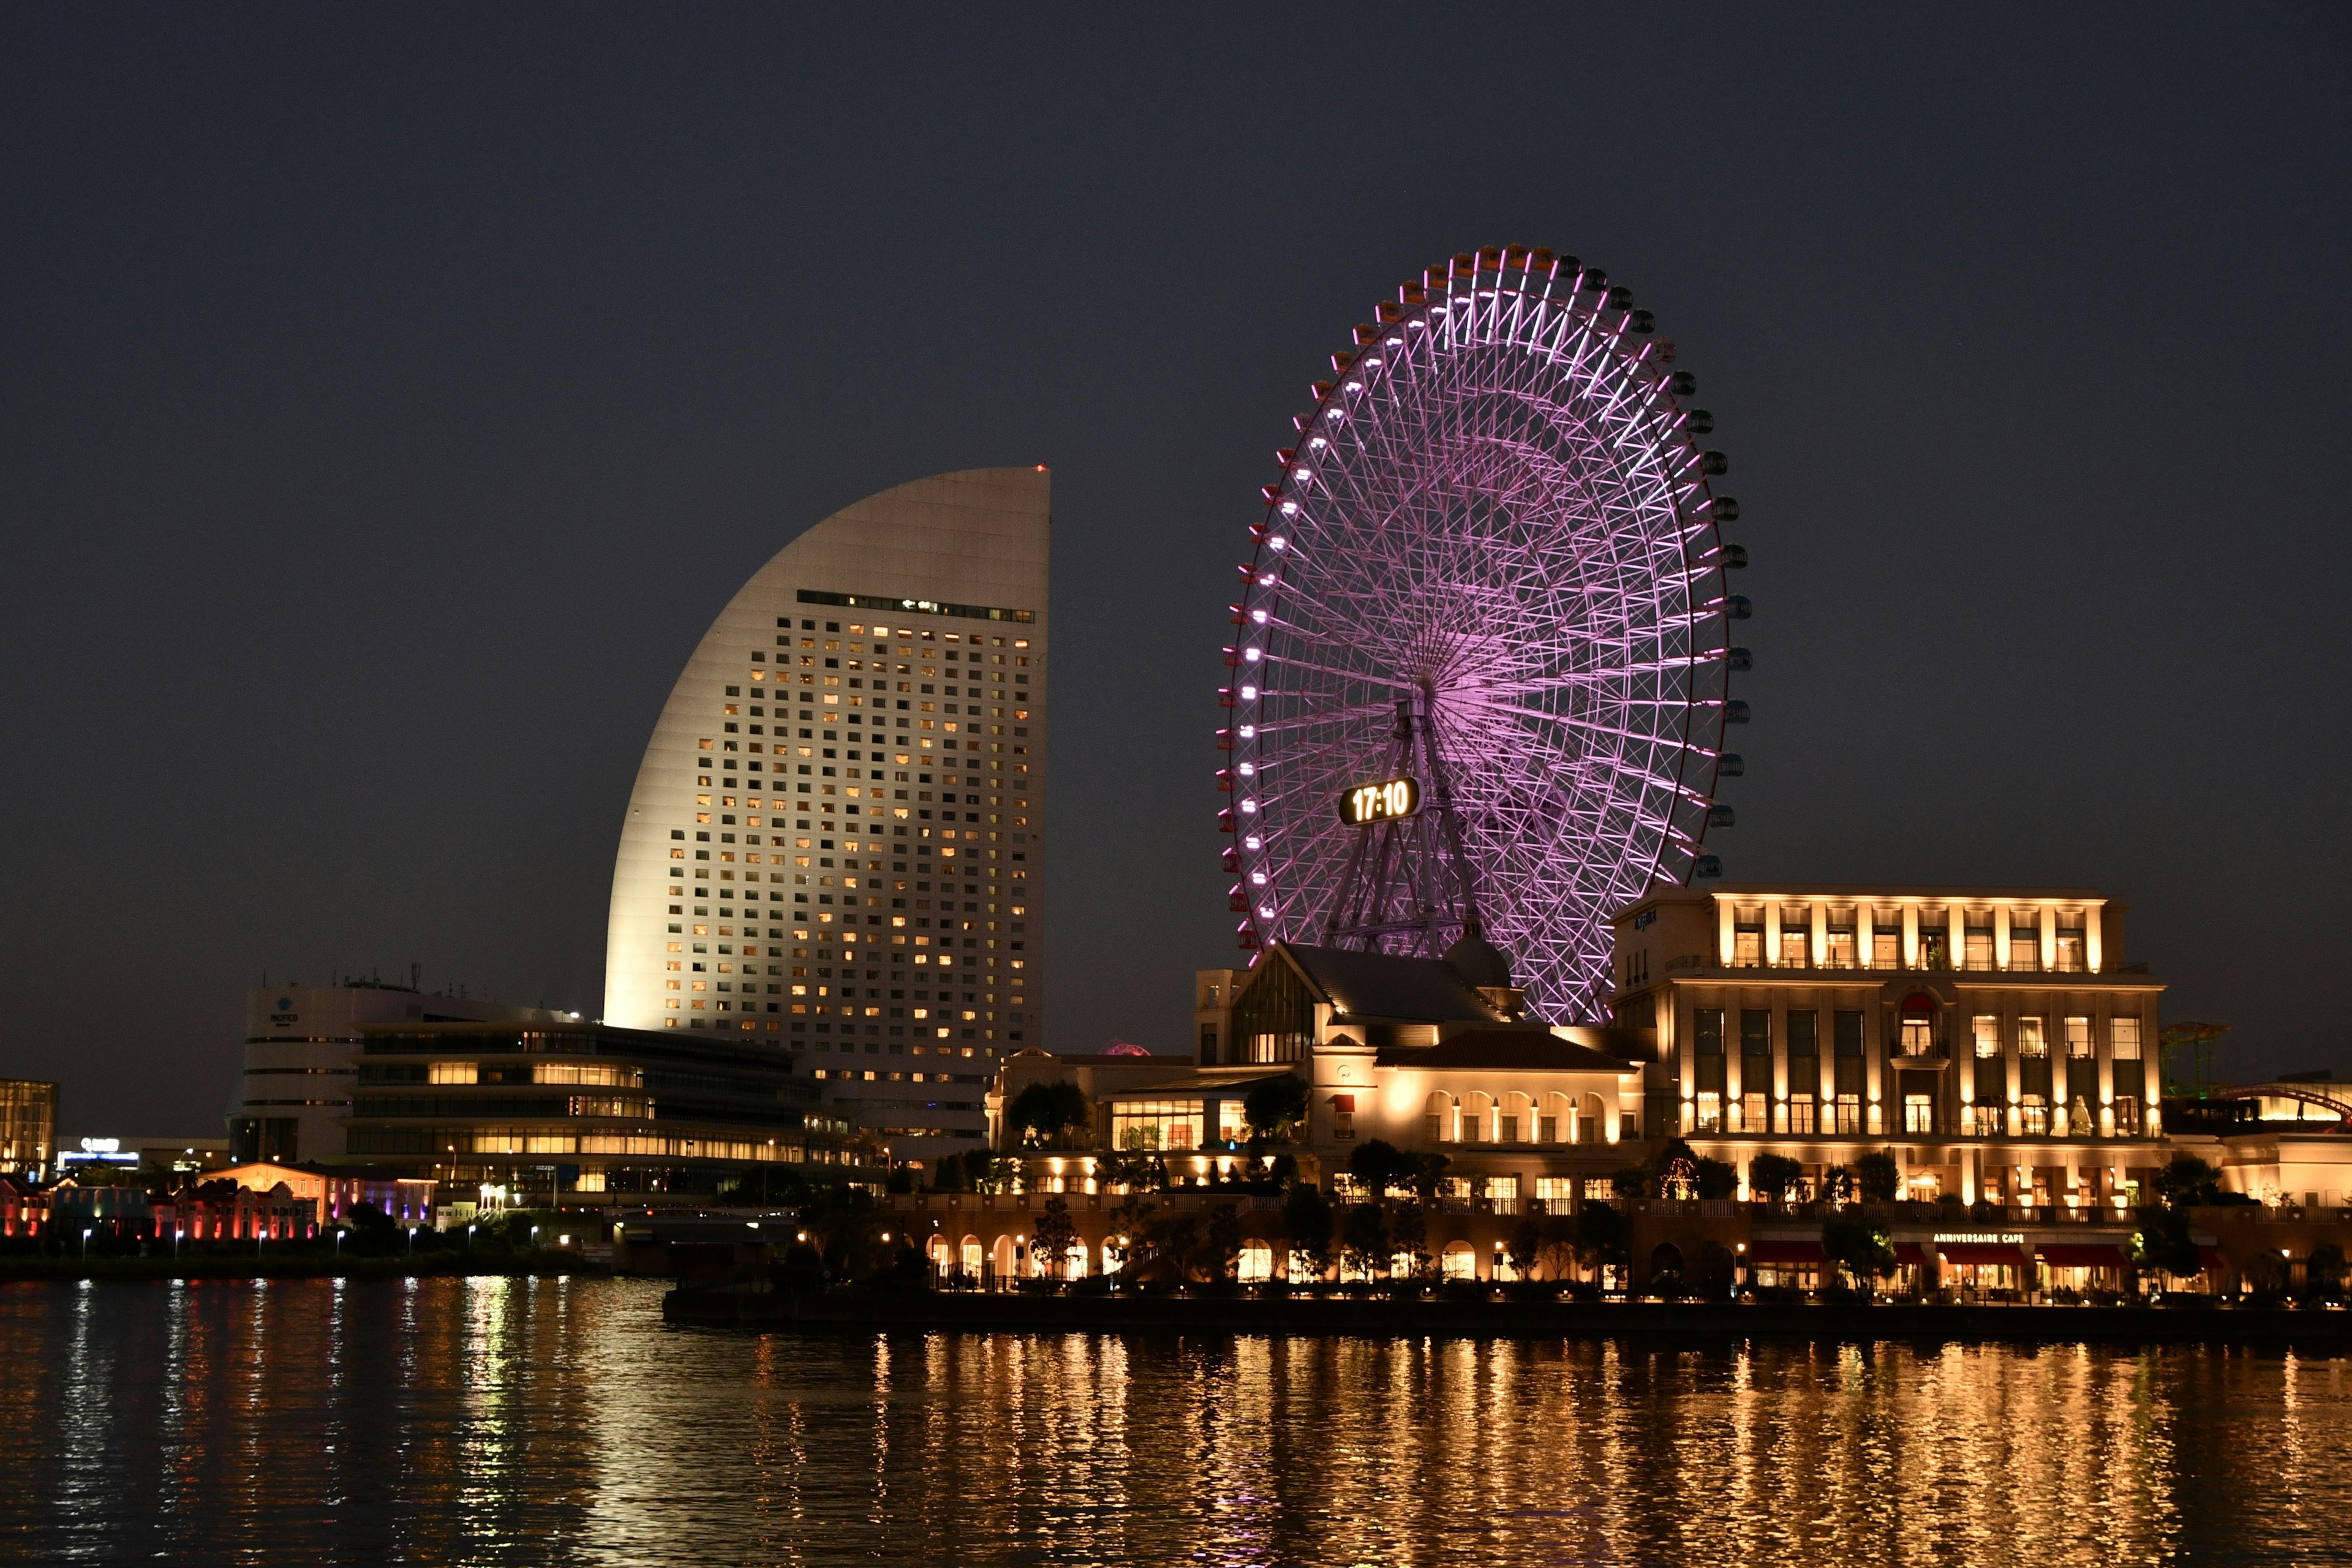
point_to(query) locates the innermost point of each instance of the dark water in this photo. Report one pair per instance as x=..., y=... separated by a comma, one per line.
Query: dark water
x=497, y=1421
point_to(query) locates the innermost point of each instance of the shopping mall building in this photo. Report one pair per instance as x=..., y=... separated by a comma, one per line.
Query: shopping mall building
x=1997, y=1042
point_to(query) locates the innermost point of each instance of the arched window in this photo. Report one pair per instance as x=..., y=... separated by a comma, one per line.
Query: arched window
x=1437, y=1119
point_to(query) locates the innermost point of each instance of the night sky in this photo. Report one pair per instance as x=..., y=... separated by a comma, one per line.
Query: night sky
x=390, y=398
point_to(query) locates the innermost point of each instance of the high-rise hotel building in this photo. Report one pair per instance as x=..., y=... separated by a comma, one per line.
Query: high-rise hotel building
x=835, y=844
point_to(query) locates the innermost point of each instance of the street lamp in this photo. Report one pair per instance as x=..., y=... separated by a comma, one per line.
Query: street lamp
x=175, y=1243
x=85, y=1244
x=412, y=1241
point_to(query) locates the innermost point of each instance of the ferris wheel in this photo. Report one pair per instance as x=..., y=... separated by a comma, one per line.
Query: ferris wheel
x=1482, y=670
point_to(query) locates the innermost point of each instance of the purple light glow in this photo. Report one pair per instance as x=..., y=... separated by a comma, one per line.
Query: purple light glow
x=1507, y=523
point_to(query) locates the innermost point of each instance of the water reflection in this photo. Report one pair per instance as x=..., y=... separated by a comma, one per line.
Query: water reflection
x=494, y=1421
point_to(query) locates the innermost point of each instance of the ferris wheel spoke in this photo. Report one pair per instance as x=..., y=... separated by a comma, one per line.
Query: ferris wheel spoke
x=1503, y=504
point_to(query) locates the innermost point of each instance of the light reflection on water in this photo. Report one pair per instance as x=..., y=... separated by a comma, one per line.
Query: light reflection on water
x=494, y=1421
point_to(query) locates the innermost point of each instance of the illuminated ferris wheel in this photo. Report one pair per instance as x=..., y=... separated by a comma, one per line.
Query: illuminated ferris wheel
x=1482, y=662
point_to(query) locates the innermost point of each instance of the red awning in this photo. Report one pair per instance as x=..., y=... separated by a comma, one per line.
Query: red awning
x=2211, y=1258
x=1343, y=1102
x=1785, y=1252
x=1911, y=1252
x=2078, y=1256
x=2007, y=1252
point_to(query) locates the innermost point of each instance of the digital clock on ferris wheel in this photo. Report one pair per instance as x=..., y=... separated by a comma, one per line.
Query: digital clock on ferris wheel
x=1380, y=802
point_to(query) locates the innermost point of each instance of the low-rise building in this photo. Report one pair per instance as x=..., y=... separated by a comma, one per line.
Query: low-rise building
x=1993, y=1048
x=220, y=1210
x=24, y=1208
x=301, y=1042
x=541, y=1115
x=1996, y=1038
x=1097, y=1074
x=336, y=1191
x=29, y=1128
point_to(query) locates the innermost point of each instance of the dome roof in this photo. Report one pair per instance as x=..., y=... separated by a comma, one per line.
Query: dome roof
x=1479, y=962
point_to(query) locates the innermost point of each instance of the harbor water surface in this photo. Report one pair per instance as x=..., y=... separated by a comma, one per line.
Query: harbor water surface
x=515, y=1420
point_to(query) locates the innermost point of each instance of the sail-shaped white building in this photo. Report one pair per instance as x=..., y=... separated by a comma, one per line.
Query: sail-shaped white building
x=836, y=839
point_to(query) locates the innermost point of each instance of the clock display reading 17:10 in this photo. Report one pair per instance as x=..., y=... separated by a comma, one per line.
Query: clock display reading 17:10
x=1380, y=802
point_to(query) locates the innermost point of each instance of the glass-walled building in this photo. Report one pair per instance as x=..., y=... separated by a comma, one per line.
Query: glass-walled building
x=538, y=1115
x=29, y=1128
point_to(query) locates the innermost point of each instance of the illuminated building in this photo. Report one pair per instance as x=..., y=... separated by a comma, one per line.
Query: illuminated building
x=1997, y=1034
x=834, y=846
x=300, y=1042
x=404, y=1200
x=1995, y=1041
x=29, y=1128
x=586, y=1114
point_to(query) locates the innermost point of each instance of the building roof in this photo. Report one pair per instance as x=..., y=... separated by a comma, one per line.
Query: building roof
x=1889, y=892
x=1225, y=1085
x=1098, y=1058
x=1505, y=1050
x=1384, y=986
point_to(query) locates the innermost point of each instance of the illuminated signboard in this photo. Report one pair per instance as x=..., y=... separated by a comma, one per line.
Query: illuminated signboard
x=1380, y=802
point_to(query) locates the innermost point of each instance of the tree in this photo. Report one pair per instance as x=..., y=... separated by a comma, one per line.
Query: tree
x=1221, y=1243
x=844, y=1227
x=1171, y=1241
x=1306, y=1220
x=1864, y=1253
x=2187, y=1183
x=1715, y=1178
x=1409, y=1233
x=2163, y=1243
x=1631, y=1182
x=973, y=1170
x=1602, y=1235
x=1054, y=1235
x=372, y=1230
x=2322, y=1273
x=1128, y=1220
x=1050, y=1116
x=1837, y=1183
x=1378, y=1164
x=1364, y=1241
x=1427, y=1174
x=1275, y=1108
x=1770, y=1176
x=1525, y=1247
x=1878, y=1177
x=1127, y=1169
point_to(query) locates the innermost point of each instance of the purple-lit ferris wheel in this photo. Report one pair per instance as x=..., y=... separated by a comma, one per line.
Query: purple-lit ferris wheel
x=1482, y=672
